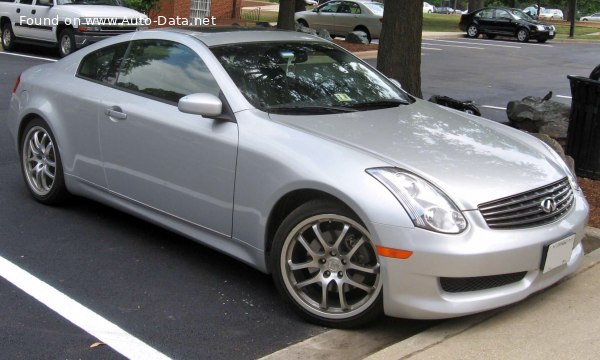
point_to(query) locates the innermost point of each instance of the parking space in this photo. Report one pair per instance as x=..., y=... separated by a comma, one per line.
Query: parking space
x=180, y=298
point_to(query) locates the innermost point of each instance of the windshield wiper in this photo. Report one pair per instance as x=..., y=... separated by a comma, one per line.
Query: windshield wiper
x=379, y=104
x=309, y=109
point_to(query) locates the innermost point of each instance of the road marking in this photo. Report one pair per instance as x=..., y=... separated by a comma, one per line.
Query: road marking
x=525, y=44
x=493, y=107
x=456, y=46
x=28, y=56
x=471, y=43
x=564, y=96
x=102, y=329
x=428, y=48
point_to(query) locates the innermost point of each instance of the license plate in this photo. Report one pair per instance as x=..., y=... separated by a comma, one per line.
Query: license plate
x=558, y=253
x=551, y=32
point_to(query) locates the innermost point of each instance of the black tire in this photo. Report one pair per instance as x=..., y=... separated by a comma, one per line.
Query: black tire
x=522, y=35
x=8, y=37
x=41, y=164
x=472, y=31
x=365, y=30
x=66, y=42
x=490, y=36
x=328, y=264
x=303, y=22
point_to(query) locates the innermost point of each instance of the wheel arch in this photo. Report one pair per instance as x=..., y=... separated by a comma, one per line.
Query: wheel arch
x=61, y=26
x=3, y=21
x=288, y=203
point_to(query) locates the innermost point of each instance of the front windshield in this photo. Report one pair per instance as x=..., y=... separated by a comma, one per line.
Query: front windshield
x=293, y=77
x=89, y=2
x=520, y=15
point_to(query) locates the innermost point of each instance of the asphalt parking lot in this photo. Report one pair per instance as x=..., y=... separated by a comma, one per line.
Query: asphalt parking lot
x=182, y=299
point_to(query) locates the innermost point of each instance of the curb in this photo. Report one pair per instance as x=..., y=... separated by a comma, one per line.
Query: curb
x=447, y=330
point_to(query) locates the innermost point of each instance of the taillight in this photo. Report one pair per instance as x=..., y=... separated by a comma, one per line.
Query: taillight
x=16, y=84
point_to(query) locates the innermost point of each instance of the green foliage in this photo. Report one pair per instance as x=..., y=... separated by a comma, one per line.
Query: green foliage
x=143, y=6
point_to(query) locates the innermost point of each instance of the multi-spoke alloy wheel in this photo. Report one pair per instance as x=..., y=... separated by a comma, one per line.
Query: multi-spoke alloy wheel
x=328, y=266
x=40, y=162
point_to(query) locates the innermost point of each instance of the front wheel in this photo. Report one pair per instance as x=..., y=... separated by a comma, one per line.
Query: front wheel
x=472, y=31
x=523, y=35
x=8, y=37
x=41, y=164
x=366, y=31
x=325, y=264
x=66, y=42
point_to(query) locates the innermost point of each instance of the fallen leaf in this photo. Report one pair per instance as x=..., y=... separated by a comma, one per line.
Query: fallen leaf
x=96, y=344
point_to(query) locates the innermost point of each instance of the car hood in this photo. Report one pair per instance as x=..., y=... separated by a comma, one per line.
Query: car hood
x=100, y=11
x=473, y=160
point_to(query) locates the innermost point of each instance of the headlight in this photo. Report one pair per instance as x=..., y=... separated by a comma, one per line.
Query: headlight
x=572, y=178
x=540, y=27
x=428, y=207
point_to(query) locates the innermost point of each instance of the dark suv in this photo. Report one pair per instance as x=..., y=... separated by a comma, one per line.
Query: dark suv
x=503, y=21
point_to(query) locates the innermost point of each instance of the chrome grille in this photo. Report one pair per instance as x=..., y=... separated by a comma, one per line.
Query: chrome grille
x=525, y=209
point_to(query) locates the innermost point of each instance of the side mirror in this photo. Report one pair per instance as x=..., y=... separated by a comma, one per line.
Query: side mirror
x=45, y=2
x=201, y=104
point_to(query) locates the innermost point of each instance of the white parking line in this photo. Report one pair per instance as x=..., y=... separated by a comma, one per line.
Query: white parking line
x=524, y=44
x=493, y=107
x=478, y=43
x=28, y=56
x=564, y=96
x=102, y=329
x=456, y=46
x=428, y=48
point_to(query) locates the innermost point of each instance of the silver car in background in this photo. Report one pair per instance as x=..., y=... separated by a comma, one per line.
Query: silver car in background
x=292, y=155
x=343, y=17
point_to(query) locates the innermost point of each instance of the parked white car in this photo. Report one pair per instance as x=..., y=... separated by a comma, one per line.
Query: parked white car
x=343, y=17
x=551, y=14
x=594, y=17
x=428, y=8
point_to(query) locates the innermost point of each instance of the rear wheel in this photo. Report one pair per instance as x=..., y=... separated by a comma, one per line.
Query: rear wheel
x=41, y=163
x=365, y=30
x=325, y=264
x=472, y=31
x=8, y=37
x=523, y=35
x=66, y=42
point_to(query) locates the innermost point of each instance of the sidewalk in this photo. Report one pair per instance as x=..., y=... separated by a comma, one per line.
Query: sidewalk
x=562, y=322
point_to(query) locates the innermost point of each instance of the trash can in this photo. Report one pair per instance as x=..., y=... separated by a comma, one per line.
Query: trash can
x=583, y=136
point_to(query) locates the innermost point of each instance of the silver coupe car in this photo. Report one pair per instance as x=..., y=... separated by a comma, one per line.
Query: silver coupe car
x=292, y=155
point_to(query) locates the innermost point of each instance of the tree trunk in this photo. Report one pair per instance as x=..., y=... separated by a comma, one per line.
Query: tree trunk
x=399, y=55
x=285, y=19
x=300, y=6
x=475, y=5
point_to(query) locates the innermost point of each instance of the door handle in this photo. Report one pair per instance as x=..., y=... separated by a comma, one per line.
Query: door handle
x=115, y=113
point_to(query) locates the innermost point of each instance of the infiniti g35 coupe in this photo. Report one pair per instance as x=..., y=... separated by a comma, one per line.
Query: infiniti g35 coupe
x=292, y=155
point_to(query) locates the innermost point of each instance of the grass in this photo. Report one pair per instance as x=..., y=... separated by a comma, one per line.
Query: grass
x=262, y=16
x=441, y=22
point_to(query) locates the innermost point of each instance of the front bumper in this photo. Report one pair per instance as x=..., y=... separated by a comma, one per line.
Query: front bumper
x=542, y=34
x=412, y=287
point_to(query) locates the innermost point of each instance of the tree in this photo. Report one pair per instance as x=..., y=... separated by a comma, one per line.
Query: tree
x=143, y=6
x=399, y=55
x=285, y=19
x=475, y=5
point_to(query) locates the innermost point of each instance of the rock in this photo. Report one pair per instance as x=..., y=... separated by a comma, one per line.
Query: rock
x=303, y=29
x=536, y=115
x=357, y=37
x=324, y=34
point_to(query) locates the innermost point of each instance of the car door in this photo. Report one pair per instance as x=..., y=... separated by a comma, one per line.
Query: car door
x=503, y=23
x=325, y=17
x=23, y=22
x=43, y=22
x=179, y=165
x=485, y=20
x=347, y=17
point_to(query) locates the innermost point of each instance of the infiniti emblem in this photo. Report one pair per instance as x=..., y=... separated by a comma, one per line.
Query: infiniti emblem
x=548, y=205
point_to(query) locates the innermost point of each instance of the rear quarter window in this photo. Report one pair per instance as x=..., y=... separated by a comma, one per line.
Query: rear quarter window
x=102, y=65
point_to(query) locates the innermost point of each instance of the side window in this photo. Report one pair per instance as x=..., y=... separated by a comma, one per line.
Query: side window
x=330, y=7
x=26, y=2
x=354, y=8
x=102, y=65
x=502, y=14
x=485, y=14
x=165, y=70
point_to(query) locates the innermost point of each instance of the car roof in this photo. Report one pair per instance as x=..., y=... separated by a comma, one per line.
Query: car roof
x=223, y=35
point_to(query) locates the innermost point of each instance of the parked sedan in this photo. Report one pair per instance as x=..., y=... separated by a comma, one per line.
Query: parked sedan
x=343, y=17
x=289, y=153
x=493, y=21
x=593, y=17
x=551, y=14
